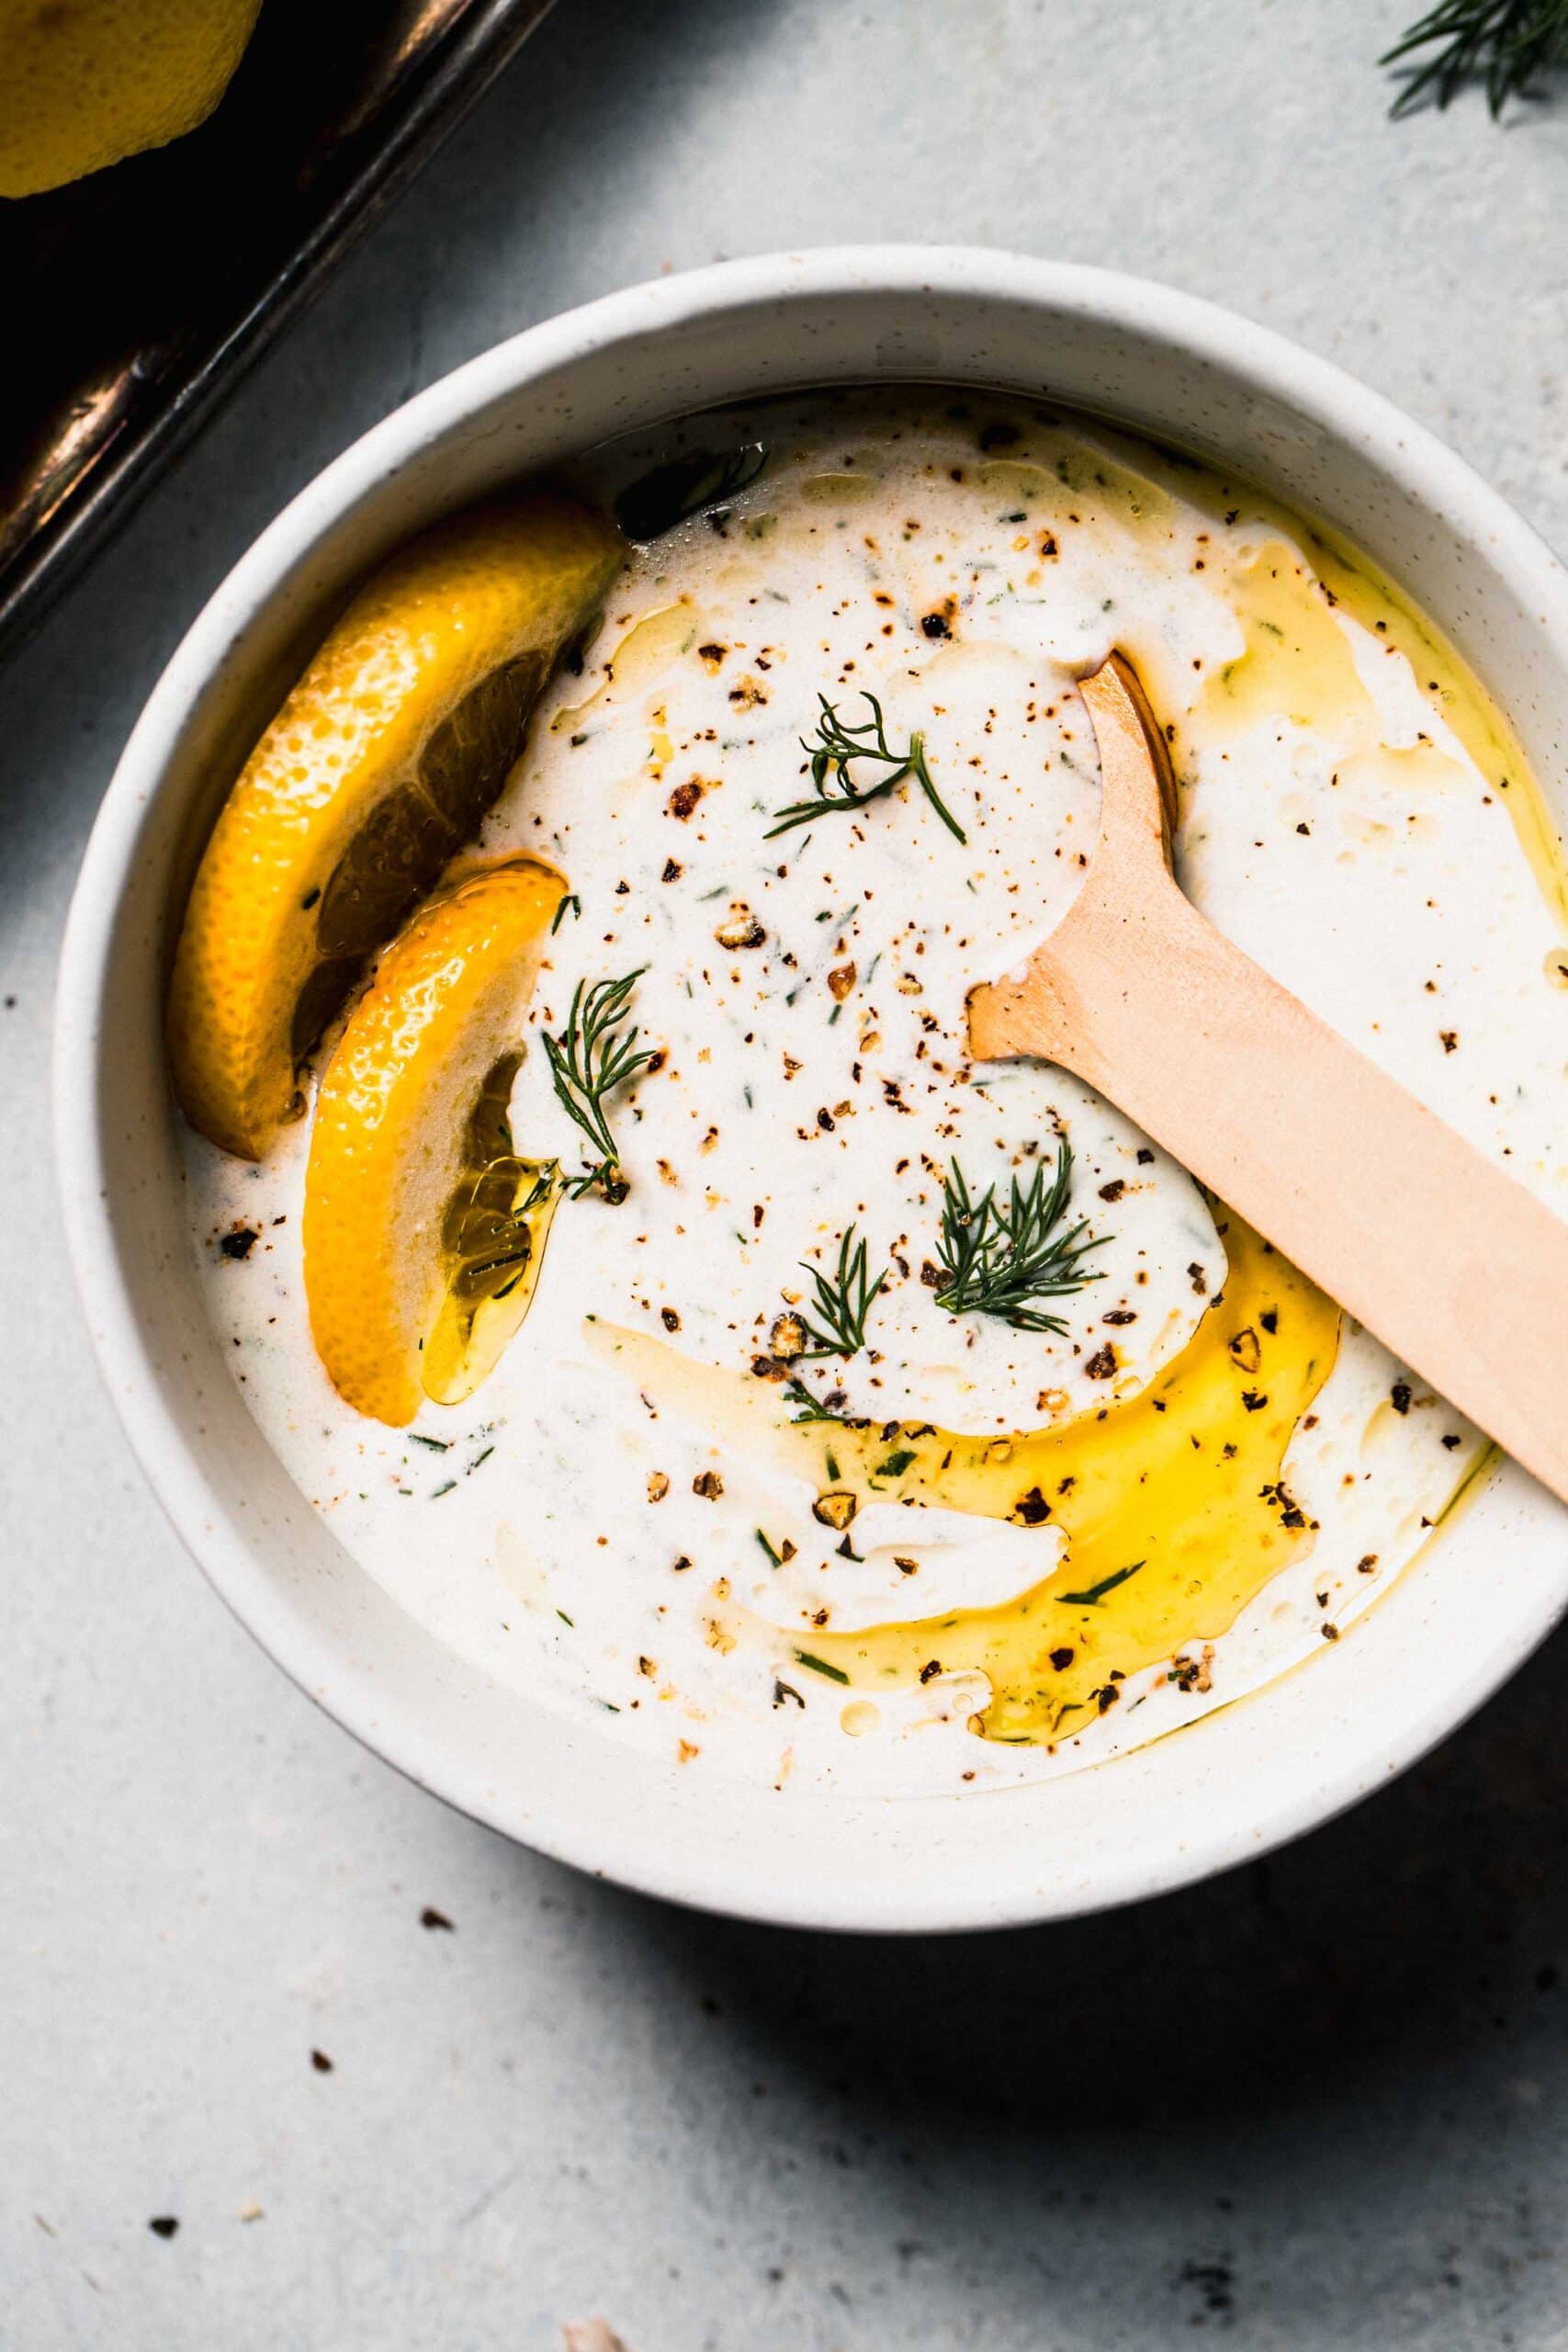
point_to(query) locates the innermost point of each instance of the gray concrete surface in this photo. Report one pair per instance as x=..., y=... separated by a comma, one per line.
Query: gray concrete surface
x=1320, y=2103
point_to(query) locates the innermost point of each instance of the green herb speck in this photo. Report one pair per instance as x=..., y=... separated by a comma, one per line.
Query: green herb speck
x=820, y=1666
x=1096, y=1592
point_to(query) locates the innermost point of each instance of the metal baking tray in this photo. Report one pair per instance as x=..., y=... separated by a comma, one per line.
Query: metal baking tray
x=137, y=296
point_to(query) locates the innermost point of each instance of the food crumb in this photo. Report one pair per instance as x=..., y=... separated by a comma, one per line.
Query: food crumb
x=590, y=2335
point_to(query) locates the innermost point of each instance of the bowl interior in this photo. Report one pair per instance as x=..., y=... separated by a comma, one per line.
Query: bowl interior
x=1233, y=1783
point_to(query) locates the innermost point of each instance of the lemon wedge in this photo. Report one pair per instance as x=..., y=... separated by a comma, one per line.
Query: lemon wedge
x=86, y=84
x=423, y=1228
x=380, y=766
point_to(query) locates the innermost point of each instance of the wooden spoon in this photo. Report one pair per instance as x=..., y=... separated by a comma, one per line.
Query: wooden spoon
x=1454, y=1265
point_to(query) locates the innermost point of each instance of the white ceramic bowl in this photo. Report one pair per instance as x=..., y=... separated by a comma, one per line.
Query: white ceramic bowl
x=1234, y=1784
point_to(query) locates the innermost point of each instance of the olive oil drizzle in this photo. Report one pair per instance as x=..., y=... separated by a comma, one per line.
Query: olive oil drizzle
x=1185, y=1479
x=493, y=1241
x=1322, y=572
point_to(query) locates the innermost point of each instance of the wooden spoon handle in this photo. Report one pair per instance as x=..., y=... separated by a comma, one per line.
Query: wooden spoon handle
x=1451, y=1263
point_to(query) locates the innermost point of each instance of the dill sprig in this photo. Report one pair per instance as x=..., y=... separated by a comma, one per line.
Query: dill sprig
x=592, y=1055
x=1506, y=45
x=833, y=753
x=843, y=1301
x=997, y=1259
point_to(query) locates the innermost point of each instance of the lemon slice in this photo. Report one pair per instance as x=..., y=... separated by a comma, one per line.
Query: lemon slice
x=378, y=767
x=423, y=1230
x=84, y=85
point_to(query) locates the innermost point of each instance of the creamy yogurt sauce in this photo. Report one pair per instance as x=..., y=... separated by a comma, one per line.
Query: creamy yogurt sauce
x=1061, y=1542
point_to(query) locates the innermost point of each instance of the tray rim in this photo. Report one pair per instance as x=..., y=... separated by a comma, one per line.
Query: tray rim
x=469, y=58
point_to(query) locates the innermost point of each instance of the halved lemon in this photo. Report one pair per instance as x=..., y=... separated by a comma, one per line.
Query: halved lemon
x=83, y=83
x=380, y=766
x=423, y=1227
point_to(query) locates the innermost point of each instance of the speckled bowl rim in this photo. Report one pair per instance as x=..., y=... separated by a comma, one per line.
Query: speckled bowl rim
x=1291, y=1785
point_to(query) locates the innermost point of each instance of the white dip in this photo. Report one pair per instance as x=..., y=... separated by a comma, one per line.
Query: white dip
x=1333, y=824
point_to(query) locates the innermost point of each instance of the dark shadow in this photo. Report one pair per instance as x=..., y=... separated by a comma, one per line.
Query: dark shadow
x=600, y=88
x=1422, y=1929
x=1396, y=1956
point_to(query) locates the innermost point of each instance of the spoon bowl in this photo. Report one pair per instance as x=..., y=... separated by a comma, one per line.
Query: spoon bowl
x=1455, y=1267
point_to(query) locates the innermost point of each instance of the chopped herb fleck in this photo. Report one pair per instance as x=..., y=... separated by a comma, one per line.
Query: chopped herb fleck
x=1096, y=1592
x=796, y=1393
